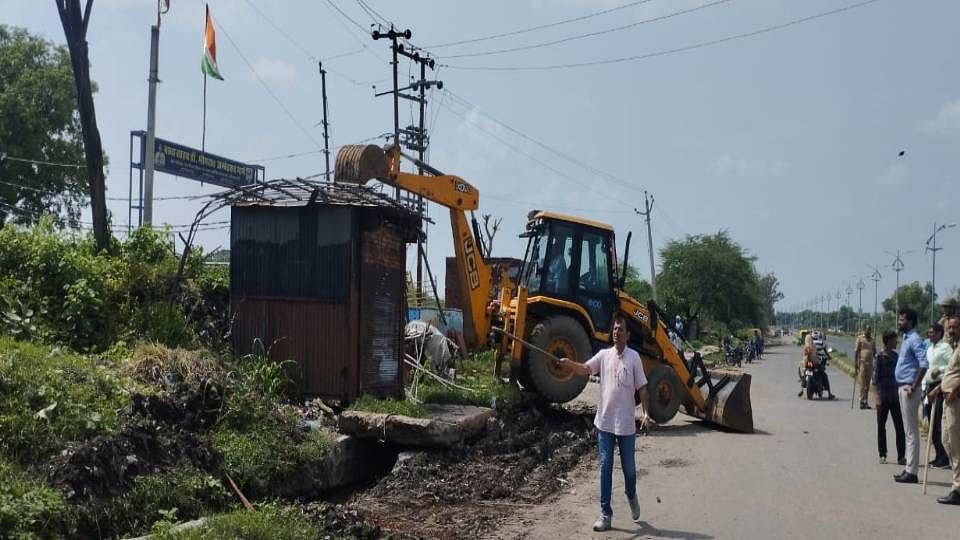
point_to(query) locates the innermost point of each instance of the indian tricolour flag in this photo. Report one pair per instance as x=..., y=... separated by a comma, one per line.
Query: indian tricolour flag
x=209, y=61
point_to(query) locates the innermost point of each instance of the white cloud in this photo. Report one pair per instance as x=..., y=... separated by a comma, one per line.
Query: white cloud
x=276, y=71
x=728, y=164
x=946, y=121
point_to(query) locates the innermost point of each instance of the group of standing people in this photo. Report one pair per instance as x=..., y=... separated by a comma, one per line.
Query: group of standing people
x=918, y=371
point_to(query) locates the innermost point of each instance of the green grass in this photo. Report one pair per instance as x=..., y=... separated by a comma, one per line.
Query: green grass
x=274, y=461
x=49, y=397
x=389, y=406
x=178, y=494
x=29, y=509
x=269, y=522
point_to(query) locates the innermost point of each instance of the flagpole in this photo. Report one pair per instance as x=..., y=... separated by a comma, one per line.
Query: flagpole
x=203, y=137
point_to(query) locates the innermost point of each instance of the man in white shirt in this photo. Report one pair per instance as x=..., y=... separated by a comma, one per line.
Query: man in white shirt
x=621, y=376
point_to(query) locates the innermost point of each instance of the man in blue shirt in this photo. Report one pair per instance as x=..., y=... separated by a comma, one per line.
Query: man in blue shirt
x=911, y=367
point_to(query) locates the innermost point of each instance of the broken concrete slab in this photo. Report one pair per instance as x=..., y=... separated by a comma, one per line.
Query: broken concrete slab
x=444, y=425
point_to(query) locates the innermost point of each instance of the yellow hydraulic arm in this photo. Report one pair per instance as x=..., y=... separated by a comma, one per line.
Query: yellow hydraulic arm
x=452, y=192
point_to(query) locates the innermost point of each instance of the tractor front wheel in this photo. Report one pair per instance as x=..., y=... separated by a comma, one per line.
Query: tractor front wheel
x=563, y=337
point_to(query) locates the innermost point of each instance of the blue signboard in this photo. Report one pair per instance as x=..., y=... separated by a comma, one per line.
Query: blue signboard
x=179, y=160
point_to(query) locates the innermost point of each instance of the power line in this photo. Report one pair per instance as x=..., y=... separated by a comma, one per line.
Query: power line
x=563, y=155
x=666, y=52
x=589, y=34
x=45, y=163
x=359, y=26
x=345, y=16
x=307, y=52
x=538, y=27
x=373, y=13
x=266, y=86
x=543, y=164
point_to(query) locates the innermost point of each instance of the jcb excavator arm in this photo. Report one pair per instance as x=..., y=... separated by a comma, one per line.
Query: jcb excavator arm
x=359, y=164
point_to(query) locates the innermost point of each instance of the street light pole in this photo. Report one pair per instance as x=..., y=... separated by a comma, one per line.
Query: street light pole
x=860, y=286
x=935, y=249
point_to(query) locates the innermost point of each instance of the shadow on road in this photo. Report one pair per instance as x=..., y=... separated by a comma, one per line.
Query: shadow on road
x=690, y=429
x=646, y=530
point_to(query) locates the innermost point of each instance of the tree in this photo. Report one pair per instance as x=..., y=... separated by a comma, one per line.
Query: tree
x=913, y=295
x=636, y=286
x=74, y=22
x=709, y=277
x=490, y=225
x=770, y=294
x=39, y=122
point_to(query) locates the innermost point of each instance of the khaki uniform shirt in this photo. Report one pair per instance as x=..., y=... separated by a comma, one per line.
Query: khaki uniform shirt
x=868, y=349
x=951, y=377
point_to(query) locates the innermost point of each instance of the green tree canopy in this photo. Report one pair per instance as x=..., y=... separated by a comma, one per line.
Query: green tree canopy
x=38, y=121
x=711, y=278
x=913, y=295
x=636, y=286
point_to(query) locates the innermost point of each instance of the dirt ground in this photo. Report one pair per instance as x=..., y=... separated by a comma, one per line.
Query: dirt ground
x=519, y=462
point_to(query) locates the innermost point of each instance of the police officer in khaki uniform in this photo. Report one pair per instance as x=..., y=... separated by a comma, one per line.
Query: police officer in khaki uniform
x=866, y=350
x=950, y=386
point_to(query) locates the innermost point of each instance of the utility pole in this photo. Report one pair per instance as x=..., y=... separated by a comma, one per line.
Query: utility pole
x=849, y=291
x=897, y=267
x=326, y=134
x=393, y=35
x=149, y=157
x=838, y=309
x=876, y=277
x=416, y=138
x=860, y=286
x=932, y=247
x=648, y=205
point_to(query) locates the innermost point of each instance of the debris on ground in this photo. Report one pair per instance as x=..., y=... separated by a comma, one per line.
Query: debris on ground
x=521, y=459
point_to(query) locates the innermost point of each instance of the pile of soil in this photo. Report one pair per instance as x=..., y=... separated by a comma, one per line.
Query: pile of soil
x=162, y=434
x=339, y=521
x=523, y=458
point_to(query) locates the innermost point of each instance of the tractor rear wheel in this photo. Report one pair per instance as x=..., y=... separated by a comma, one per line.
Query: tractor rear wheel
x=665, y=394
x=562, y=337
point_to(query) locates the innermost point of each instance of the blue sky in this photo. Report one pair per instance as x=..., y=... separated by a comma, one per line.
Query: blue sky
x=788, y=139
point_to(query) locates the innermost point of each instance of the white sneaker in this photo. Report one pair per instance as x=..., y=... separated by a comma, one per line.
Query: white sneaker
x=602, y=523
x=634, y=509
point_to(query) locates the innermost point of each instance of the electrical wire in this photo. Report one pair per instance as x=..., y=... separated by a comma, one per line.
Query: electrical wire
x=44, y=163
x=590, y=34
x=563, y=155
x=364, y=31
x=538, y=27
x=666, y=52
x=266, y=86
x=543, y=164
x=309, y=54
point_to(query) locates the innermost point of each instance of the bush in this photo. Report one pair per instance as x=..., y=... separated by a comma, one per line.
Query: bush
x=29, y=509
x=274, y=460
x=55, y=287
x=49, y=398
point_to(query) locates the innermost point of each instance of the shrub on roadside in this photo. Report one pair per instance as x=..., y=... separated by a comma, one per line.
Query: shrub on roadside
x=269, y=522
x=29, y=509
x=51, y=397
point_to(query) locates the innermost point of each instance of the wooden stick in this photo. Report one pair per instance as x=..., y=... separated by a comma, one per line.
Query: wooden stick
x=412, y=362
x=926, y=467
x=246, y=503
x=527, y=343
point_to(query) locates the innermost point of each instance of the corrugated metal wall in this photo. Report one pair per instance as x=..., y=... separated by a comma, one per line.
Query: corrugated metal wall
x=323, y=286
x=382, y=305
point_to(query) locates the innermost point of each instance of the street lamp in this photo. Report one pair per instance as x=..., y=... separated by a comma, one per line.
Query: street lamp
x=932, y=246
x=897, y=267
x=876, y=277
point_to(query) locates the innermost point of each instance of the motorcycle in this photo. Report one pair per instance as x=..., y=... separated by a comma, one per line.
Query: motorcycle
x=751, y=352
x=814, y=378
x=733, y=356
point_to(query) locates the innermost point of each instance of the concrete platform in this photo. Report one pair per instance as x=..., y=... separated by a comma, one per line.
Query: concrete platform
x=444, y=426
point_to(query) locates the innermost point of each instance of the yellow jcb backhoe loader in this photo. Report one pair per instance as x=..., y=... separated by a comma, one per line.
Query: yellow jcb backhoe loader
x=566, y=299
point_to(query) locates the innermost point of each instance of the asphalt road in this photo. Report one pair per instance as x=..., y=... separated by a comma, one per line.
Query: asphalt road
x=811, y=471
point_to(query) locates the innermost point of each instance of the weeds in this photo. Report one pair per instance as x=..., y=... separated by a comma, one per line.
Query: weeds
x=269, y=522
x=389, y=406
x=29, y=509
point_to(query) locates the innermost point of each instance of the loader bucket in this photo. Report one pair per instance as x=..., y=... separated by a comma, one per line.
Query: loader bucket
x=358, y=163
x=728, y=401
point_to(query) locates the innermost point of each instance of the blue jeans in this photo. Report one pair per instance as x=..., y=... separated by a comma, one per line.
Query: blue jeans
x=627, y=444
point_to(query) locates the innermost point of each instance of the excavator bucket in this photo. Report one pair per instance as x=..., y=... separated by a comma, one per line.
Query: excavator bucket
x=727, y=400
x=359, y=163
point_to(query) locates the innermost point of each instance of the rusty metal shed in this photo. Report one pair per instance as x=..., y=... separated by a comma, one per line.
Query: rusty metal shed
x=317, y=275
